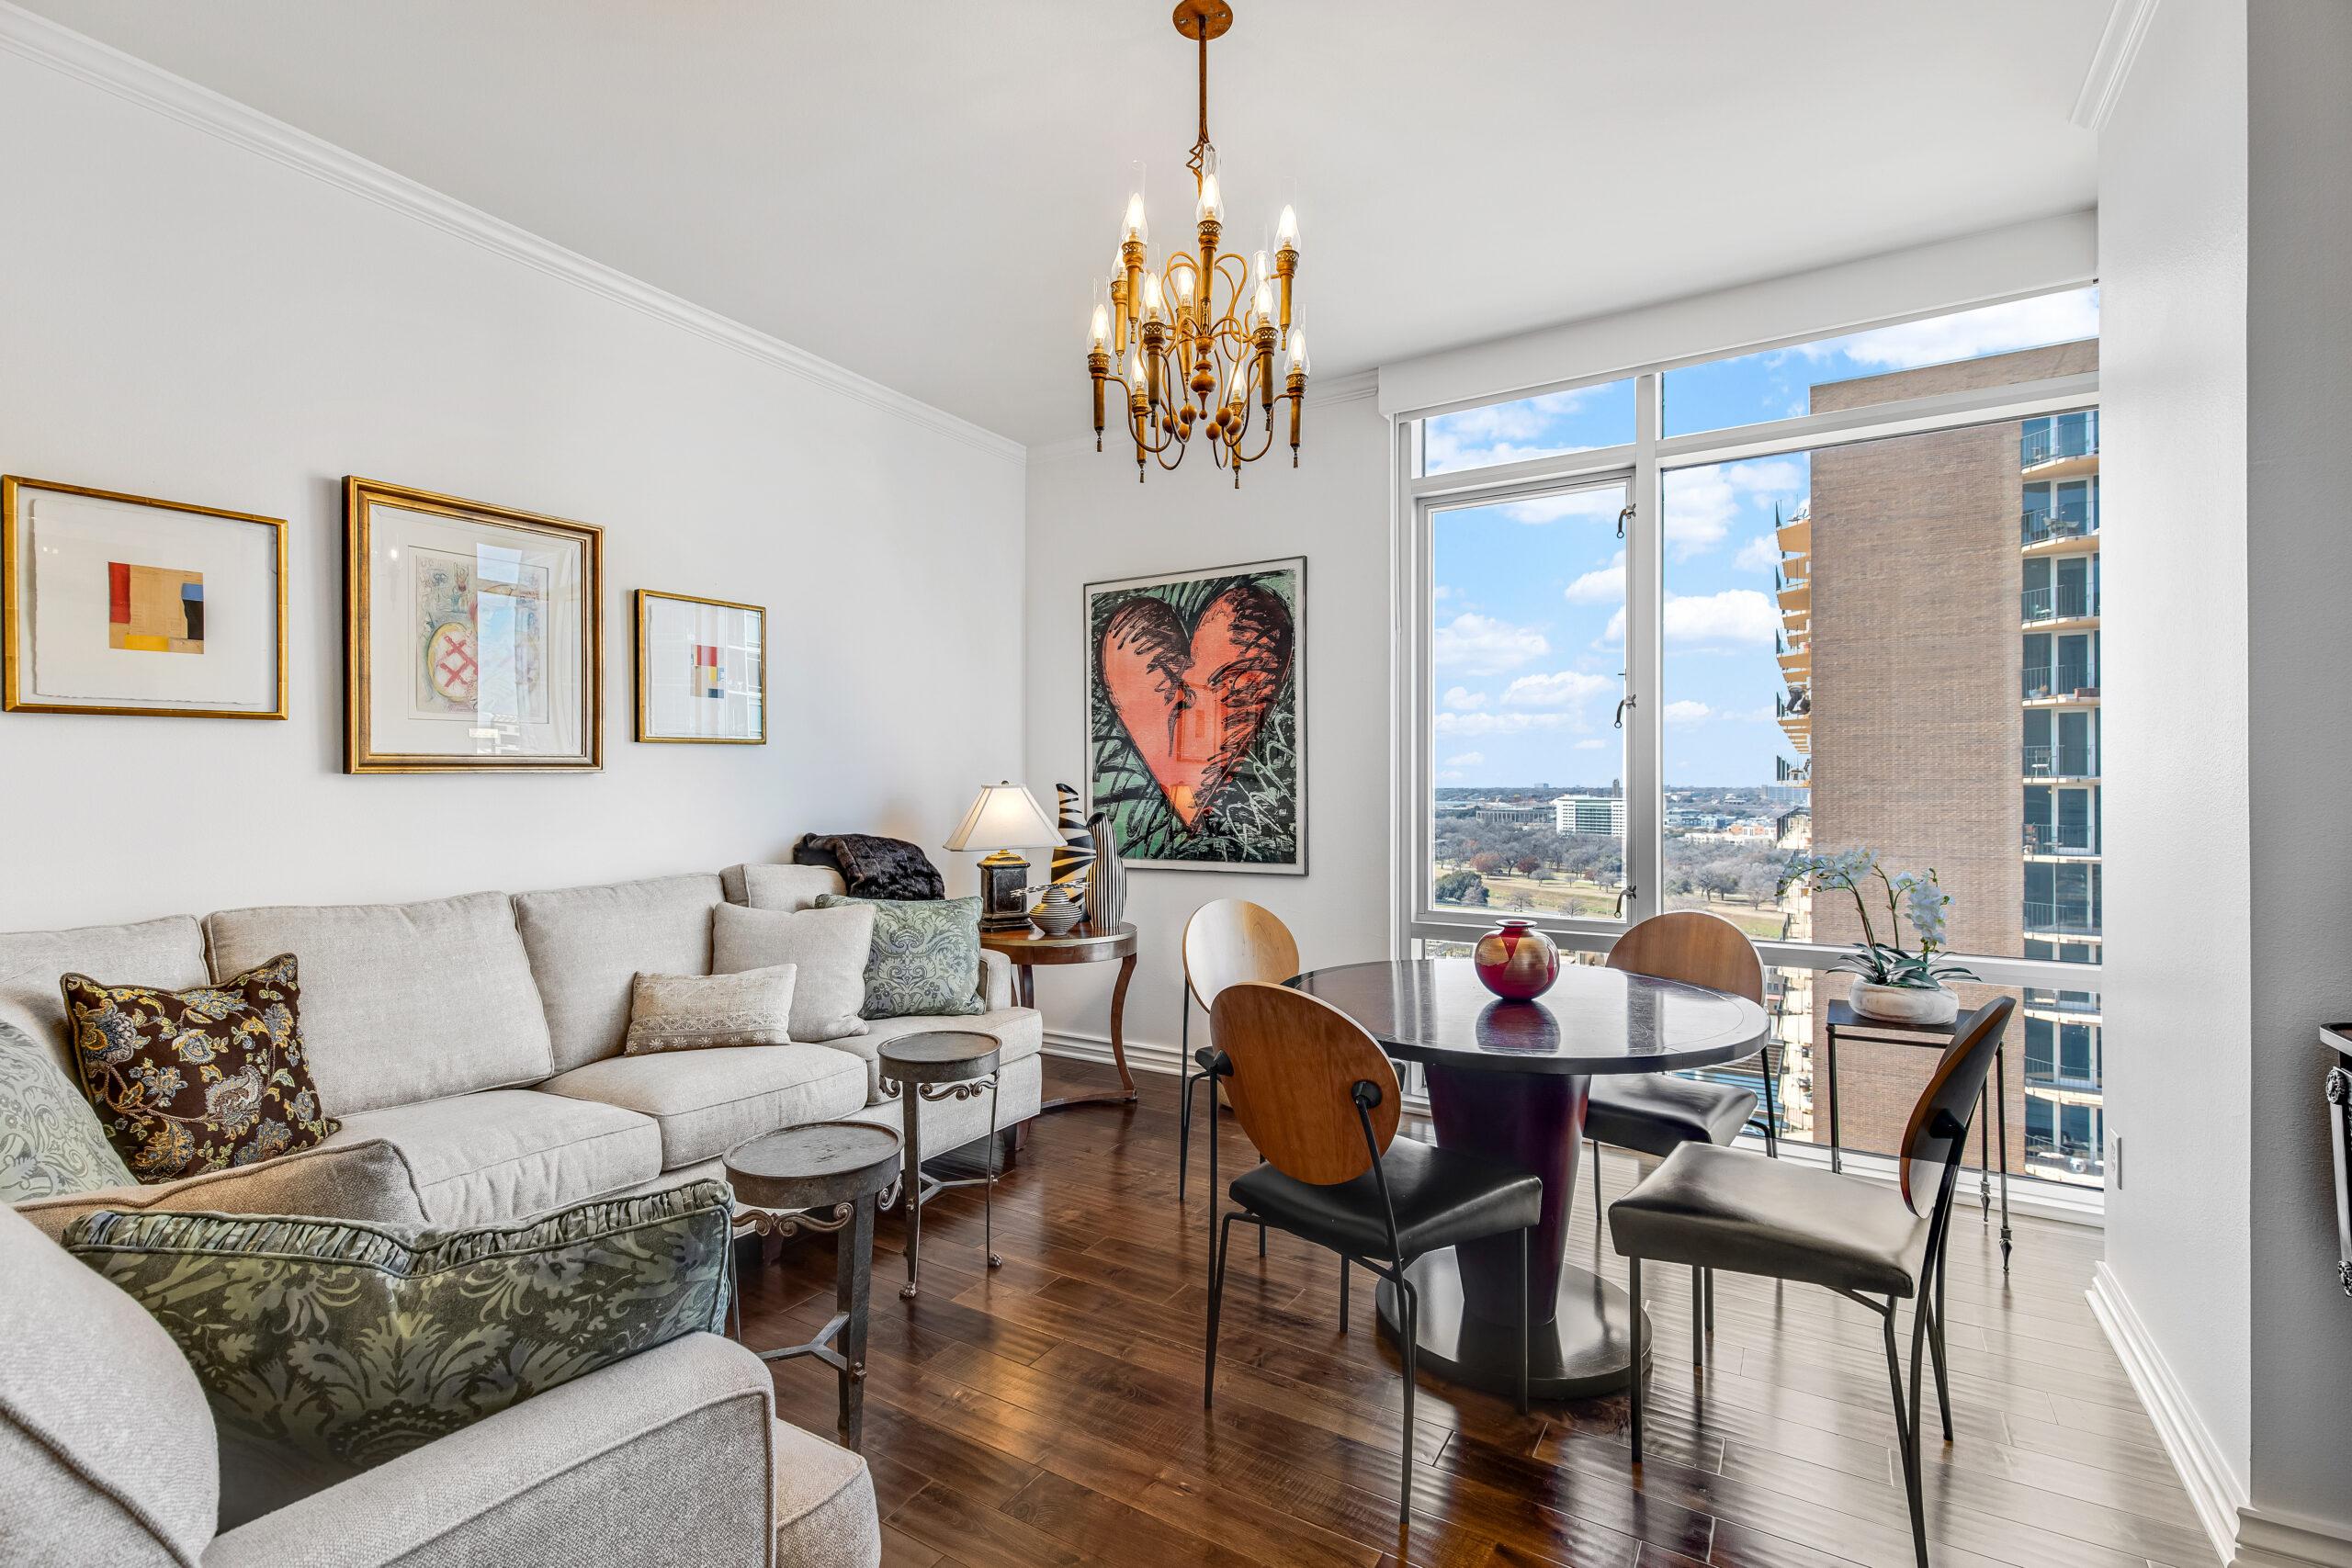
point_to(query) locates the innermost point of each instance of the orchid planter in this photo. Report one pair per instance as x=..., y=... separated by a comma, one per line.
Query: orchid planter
x=1895, y=982
x=1903, y=1004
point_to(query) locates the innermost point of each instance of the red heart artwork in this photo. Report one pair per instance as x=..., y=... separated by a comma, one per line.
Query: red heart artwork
x=1193, y=706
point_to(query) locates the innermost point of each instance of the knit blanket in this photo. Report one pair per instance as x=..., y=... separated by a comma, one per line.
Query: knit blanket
x=873, y=867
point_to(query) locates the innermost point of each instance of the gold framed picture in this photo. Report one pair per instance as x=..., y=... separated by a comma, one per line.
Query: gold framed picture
x=124, y=604
x=474, y=635
x=702, y=670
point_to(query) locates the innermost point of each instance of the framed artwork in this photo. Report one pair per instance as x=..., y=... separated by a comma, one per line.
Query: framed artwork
x=702, y=670
x=473, y=637
x=1197, y=717
x=121, y=604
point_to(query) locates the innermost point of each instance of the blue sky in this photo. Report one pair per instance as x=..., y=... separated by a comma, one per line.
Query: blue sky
x=1529, y=619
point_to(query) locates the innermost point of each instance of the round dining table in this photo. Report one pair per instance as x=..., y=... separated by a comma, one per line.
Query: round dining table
x=1509, y=1081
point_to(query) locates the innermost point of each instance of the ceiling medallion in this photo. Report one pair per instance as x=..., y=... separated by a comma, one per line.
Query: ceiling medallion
x=1185, y=367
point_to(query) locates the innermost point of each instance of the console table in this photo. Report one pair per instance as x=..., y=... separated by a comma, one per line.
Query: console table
x=1081, y=945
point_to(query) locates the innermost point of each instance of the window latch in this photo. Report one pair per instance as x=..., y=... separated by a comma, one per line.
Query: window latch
x=1622, y=516
x=1623, y=894
x=1622, y=704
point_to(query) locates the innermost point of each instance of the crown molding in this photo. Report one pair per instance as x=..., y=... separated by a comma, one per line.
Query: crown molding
x=100, y=65
x=2119, y=46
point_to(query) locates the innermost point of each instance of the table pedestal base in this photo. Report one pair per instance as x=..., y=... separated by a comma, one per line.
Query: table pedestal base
x=1583, y=1352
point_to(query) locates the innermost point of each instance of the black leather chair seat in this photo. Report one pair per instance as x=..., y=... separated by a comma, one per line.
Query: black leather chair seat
x=1657, y=1113
x=1442, y=1198
x=1719, y=1208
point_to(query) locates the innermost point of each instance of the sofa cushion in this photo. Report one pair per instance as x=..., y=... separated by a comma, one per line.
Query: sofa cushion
x=369, y=1181
x=698, y=1012
x=824, y=1503
x=108, y=1450
x=827, y=949
x=780, y=886
x=1020, y=1032
x=51, y=1142
x=400, y=1002
x=925, y=958
x=483, y=1159
x=199, y=1080
x=587, y=943
x=404, y=1336
x=705, y=1103
x=168, y=952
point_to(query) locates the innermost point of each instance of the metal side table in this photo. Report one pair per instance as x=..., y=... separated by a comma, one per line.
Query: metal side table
x=946, y=1063
x=825, y=1176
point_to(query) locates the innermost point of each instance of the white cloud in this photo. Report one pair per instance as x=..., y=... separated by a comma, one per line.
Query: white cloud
x=1465, y=760
x=1766, y=476
x=1498, y=433
x=1702, y=503
x=1469, y=724
x=1687, y=711
x=1562, y=689
x=1605, y=585
x=1449, y=776
x=1995, y=329
x=1759, y=554
x=1737, y=618
x=1441, y=593
x=1591, y=743
x=1480, y=645
x=1462, y=699
x=1604, y=504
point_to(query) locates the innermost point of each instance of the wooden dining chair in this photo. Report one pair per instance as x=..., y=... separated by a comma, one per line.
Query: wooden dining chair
x=1656, y=1113
x=1226, y=941
x=1316, y=1095
x=1717, y=1208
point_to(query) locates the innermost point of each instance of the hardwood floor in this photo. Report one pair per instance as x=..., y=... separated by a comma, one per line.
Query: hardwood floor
x=1050, y=1412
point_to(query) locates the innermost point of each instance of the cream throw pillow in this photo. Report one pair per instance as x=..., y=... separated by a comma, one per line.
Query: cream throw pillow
x=828, y=947
x=691, y=1012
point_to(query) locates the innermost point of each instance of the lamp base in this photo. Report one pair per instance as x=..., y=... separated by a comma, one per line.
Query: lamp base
x=1005, y=888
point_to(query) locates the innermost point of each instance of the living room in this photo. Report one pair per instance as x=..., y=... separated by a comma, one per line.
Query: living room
x=593, y=591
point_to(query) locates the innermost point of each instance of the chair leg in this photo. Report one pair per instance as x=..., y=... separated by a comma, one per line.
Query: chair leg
x=1525, y=1312
x=1906, y=1432
x=1633, y=1289
x=1697, y=1316
x=1217, y=1298
x=1771, y=1132
x=1600, y=1211
x=1343, y=1292
x=1262, y=1234
x=1410, y=1298
x=1184, y=1106
x=1710, y=1304
x=1936, y=1347
x=1213, y=1189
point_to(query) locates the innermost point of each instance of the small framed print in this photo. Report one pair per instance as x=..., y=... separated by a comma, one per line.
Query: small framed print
x=124, y=604
x=473, y=637
x=702, y=670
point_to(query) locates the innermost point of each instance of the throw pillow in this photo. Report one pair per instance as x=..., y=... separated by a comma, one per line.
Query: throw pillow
x=326, y=1348
x=827, y=948
x=926, y=957
x=51, y=1143
x=196, y=1081
x=688, y=1013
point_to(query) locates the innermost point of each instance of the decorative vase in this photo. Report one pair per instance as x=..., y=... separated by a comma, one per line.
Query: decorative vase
x=1056, y=912
x=1904, y=1004
x=1517, y=962
x=1072, y=855
x=1106, y=881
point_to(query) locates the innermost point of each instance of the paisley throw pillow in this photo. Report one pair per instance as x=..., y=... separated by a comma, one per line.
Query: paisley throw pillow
x=196, y=1080
x=925, y=960
x=51, y=1146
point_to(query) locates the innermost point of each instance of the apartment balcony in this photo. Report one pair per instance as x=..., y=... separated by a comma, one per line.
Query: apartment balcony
x=1795, y=535
x=1797, y=665
x=2050, y=606
x=2067, y=841
x=2039, y=529
x=2058, y=684
x=2072, y=763
x=1796, y=601
x=2080, y=1007
x=2060, y=919
x=2060, y=448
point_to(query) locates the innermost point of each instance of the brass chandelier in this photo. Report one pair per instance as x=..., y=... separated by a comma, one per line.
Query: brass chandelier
x=1184, y=367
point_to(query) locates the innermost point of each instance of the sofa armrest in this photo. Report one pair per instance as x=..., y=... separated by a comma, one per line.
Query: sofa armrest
x=664, y=1458
x=996, y=980
x=366, y=1179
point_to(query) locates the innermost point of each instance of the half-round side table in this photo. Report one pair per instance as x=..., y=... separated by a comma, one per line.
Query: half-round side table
x=824, y=1176
x=1028, y=947
x=941, y=1064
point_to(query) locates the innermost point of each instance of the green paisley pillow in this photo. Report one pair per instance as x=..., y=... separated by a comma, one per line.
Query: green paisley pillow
x=51, y=1142
x=925, y=960
x=326, y=1348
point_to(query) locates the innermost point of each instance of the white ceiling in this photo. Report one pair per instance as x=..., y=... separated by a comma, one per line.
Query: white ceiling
x=921, y=191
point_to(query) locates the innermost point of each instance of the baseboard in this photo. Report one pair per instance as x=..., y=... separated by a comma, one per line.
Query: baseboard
x=2213, y=1491
x=2269, y=1539
x=1143, y=1055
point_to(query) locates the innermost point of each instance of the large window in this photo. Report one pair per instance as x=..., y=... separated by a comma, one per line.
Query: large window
x=1835, y=594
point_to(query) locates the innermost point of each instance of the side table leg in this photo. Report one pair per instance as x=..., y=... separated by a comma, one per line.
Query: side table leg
x=987, y=1193
x=853, y=1278
x=1026, y=985
x=1983, y=1161
x=1119, y=1024
x=2001, y=1117
x=912, y=1184
x=1836, y=1162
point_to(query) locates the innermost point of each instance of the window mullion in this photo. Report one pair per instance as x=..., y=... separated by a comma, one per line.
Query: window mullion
x=1645, y=664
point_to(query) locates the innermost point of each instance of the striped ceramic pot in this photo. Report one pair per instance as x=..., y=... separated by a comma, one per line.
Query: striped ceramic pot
x=1517, y=962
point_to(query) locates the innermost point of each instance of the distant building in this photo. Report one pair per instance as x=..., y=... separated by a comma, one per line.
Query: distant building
x=1512, y=813
x=1603, y=815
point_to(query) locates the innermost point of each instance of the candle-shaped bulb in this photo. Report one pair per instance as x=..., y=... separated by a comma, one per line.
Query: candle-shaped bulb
x=1286, y=230
x=1210, y=208
x=1155, y=303
x=1100, y=332
x=1297, y=351
x=1134, y=227
x=1264, y=303
x=1180, y=277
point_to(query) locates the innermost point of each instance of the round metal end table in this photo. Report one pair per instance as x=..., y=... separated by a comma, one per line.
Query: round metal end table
x=824, y=1176
x=945, y=1064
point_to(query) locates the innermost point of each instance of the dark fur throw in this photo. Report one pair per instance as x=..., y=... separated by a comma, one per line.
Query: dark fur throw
x=872, y=867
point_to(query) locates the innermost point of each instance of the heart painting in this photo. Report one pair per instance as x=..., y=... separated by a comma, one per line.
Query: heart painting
x=1195, y=717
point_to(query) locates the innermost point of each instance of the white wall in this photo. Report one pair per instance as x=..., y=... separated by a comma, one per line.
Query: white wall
x=187, y=319
x=1089, y=522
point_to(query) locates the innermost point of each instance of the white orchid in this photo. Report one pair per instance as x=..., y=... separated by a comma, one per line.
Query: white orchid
x=1916, y=895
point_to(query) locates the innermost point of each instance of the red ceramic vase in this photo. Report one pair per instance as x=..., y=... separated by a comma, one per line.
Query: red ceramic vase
x=1517, y=962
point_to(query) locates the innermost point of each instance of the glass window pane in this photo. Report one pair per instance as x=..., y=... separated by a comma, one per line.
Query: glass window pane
x=2025, y=340
x=1581, y=418
x=1527, y=642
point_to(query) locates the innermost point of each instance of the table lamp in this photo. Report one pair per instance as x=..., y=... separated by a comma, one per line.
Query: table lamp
x=1004, y=820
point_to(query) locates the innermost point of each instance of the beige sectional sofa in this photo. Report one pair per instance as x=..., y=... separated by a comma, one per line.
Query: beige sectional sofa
x=471, y=1048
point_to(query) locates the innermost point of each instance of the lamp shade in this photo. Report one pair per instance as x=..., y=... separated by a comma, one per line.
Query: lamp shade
x=1005, y=817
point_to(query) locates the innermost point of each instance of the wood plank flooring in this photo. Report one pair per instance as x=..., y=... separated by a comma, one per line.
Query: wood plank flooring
x=1050, y=1412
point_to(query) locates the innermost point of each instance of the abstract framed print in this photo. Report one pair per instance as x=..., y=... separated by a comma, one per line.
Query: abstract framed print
x=702, y=670
x=123, y=604
x=473, y=636
x=1197, y=717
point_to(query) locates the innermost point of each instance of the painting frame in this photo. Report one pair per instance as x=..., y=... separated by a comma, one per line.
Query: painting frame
x=1148, y=823
x=20, y=630
x=364, y=692
x=644, y=600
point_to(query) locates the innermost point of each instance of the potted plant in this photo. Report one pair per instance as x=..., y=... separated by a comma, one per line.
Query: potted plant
x=1892, y=982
